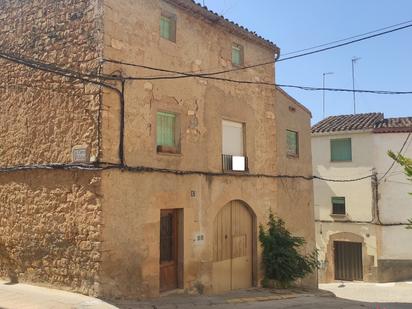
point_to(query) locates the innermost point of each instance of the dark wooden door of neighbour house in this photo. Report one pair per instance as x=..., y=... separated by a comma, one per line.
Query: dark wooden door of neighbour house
x=348, y=261
x=169, y=249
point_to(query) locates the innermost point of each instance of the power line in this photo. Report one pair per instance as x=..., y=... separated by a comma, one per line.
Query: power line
x=85, y=77
x=52, y=68
x=95, y=79
x=206, y=76
x=288, y=58
x=225, y=11
x=144, y=169
x=348, y=38
x=344, y=44
x=395, y=160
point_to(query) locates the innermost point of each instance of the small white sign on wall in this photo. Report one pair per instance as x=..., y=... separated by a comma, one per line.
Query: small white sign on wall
x=80, y=154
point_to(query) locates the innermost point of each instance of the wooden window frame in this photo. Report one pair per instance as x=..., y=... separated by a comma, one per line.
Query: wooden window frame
x=331, y=150
x=176, y=149
x=173, y=26
x=289, y=154
x=242, y=54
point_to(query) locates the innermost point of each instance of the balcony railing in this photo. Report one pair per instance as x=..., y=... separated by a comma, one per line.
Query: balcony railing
x=234, y=163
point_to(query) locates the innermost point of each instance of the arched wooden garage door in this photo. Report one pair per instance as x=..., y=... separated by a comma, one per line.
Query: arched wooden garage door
x=232, y=248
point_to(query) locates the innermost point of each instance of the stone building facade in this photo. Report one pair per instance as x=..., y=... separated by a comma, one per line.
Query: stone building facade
x=101, y=227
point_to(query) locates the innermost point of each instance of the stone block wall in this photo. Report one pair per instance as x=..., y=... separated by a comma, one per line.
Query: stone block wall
x=50, y=229
x=39, y=109
x=50, y=221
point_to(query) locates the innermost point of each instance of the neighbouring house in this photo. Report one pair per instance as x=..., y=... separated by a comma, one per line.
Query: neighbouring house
x=361, y=224
x=116, y=180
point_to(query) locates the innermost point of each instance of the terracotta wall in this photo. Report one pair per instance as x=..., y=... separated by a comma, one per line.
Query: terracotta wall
x=133, y=201
x=295, y=196
x=132, y=35
x=130, y=266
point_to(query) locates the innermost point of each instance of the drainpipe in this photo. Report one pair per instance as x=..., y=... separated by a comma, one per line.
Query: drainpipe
x=375, y=199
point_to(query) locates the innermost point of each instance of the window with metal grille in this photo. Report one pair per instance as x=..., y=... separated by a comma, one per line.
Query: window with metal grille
x=341, y=150
x=168, y=26
x=292, y=140
x=338, y=206
x=233, y=156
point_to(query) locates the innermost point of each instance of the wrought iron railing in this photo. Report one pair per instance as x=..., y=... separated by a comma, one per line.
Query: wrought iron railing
x=234, y=163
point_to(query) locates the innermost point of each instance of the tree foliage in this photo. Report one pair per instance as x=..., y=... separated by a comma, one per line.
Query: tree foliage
x=406, y=163
x=282, y=262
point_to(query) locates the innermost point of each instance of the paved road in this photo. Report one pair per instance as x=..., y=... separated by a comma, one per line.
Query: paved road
x=23, y=296
x=389, y=296
x=399, y=292
x=309, y=302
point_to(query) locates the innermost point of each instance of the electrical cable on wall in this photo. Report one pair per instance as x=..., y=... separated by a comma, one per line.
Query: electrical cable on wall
x=100, y=166
x=394, y=161
x=96, y=79
x=93, y=78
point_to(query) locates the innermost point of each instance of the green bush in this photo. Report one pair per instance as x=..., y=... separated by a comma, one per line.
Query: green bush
x=282, y=262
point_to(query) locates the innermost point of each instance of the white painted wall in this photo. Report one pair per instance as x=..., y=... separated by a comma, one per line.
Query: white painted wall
x=358, y=194
x=396, y=243
x=395, y=204
x=368, y=151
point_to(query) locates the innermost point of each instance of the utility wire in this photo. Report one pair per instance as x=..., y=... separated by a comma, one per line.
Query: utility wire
x=91, y=78
x=394, y=161
x=344, y=44
x=284, y=59
x=348, y=38
x=96, y=79
x=206, y=76
x=144, y=169
x=52, y=68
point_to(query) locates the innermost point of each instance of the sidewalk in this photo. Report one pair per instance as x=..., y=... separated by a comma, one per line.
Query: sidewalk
x=23, y=296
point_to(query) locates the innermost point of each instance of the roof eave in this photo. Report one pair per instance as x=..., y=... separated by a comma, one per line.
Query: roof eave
x=195, y=8
x=347, y=132
x=393, y=130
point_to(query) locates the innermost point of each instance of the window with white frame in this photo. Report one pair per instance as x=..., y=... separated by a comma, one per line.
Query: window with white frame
x=233, y=151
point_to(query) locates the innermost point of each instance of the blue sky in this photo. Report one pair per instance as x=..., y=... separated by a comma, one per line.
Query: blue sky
x=386, y=62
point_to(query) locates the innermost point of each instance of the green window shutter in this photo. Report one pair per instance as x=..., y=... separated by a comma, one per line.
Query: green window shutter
x=338, y=206
x=166, y=27
x=236, y=55
x=341, y=149
x=292, y=142
x=166, y=126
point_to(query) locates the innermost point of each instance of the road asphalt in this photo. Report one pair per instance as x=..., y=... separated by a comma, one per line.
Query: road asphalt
x=350, y=296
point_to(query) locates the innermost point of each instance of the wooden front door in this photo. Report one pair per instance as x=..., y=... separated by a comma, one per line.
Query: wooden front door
x=168, y=250
x=232, y=248
x=348, y=261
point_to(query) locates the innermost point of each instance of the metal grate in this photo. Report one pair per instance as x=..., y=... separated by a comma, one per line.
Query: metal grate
x=227, y=164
